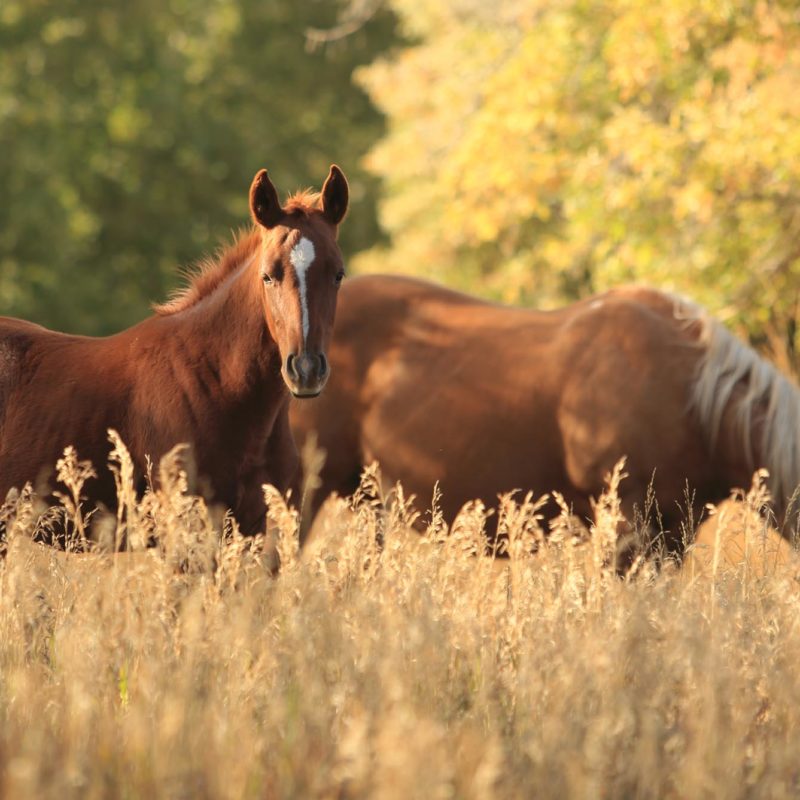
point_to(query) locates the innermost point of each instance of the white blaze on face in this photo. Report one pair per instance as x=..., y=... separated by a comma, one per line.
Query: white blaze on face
x=302, y=256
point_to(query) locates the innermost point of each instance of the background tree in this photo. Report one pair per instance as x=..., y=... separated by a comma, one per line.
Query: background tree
x=129, y=133
x=539, y=150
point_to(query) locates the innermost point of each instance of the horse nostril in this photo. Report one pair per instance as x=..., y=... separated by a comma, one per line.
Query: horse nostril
x=306, y=369
x=291, y=369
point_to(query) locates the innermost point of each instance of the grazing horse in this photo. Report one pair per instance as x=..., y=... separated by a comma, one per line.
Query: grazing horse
x=213, y=367
x=485, y=399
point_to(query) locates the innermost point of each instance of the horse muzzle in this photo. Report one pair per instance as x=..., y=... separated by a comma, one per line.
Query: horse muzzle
x=306, y=373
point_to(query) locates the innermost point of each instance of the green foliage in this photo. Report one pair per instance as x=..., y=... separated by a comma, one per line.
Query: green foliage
x=129, y=133
x=540, y=150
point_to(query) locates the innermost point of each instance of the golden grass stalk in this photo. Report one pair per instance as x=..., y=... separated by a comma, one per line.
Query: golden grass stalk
x=386, y=663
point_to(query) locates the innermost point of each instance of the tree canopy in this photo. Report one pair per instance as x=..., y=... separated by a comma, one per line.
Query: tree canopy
x=130, y=132
x=536, y=150
x=539, y=150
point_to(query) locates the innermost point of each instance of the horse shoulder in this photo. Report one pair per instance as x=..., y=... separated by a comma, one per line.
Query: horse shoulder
x=631, y=360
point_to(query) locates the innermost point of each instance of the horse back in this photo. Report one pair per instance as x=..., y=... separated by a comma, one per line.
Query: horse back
x=16, y=338
x=48, y=394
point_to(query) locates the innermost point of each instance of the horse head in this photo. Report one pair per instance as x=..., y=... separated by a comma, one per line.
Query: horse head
x=300, y=271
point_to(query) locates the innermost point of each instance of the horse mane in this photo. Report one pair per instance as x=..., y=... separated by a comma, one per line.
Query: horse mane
x=727, y=364
x=205, y=276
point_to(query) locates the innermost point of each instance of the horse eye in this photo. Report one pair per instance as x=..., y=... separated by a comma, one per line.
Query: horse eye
x=339, y=277
x=266, y=278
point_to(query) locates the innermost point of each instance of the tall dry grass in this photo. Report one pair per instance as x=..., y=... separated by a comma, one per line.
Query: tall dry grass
x=381, y=663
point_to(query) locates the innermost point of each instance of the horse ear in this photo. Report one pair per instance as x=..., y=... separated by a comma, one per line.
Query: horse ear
x=265, y=208
x=335, y=196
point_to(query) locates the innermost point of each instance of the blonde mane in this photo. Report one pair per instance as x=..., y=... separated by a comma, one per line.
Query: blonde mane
x=769, y=398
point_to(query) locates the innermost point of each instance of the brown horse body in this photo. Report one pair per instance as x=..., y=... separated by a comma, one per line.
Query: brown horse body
x=485, y=399
x=213, y=368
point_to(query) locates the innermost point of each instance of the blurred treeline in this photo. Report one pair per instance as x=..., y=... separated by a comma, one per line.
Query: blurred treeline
x=539, y=150
x=532, y=150
x=130, y=132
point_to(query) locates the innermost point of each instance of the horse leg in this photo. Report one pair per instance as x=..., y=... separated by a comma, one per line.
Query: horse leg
x=622, y=517
x=341, y=468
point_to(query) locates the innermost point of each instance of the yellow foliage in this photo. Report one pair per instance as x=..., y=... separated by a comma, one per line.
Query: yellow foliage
x=595, y=142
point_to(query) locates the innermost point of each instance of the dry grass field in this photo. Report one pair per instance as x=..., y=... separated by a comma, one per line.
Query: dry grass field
x=413, y=670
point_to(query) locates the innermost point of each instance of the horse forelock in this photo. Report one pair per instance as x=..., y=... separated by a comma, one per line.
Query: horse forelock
x=305, y=201
x=769, y=396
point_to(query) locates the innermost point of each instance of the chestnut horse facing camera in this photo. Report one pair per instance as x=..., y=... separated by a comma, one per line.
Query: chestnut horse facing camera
x=485, y=399
x=214, y=367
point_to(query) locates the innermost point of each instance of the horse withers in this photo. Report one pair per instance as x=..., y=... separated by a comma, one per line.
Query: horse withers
x=484, y=399
x=214, y=367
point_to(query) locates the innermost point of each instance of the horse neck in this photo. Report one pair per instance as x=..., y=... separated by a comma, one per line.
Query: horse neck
x=227, y=335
